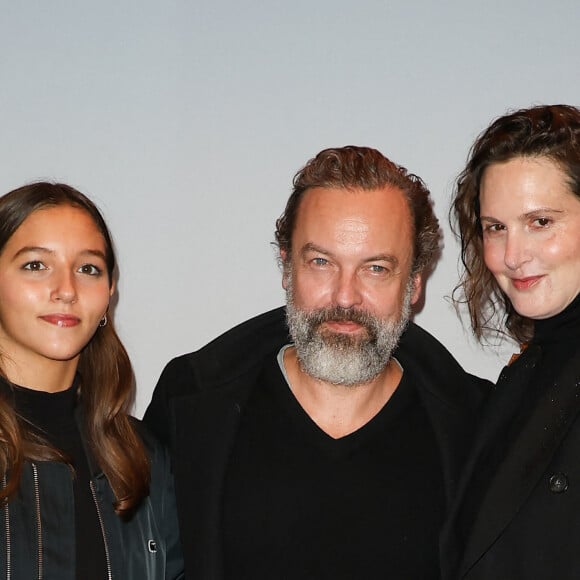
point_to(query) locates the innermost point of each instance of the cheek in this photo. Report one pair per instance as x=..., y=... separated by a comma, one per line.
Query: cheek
x=387, y=302
x=493, y=255
x=557, y=251
x=98, y=299
x=309, y=290
x=21, y=298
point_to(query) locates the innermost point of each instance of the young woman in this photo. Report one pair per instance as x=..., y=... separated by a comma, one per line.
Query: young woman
x=517, y=211
x=85, y=493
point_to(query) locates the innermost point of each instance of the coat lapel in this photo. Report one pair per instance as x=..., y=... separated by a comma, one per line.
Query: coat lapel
x=449, y=395
x=205, y=427
x=527, y=460
x=500, y=407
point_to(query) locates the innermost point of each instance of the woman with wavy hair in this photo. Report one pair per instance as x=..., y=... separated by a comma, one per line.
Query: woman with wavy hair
x=517, y=212
x=85, y=492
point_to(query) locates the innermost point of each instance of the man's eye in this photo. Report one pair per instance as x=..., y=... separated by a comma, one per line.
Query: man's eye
x=320, y=261
x=377, y=269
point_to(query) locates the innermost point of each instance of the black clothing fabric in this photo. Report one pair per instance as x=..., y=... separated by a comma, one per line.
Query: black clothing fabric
x=521, y=478
x=300, y=504
x=560, y=331
x=52, y=415
x=55, y=518
x=201, y=398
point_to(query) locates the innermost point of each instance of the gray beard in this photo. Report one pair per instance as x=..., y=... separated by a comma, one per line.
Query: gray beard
x=342, y=359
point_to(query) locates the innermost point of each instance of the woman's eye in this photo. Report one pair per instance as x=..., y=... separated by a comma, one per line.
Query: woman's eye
x=493, y=228
x=90, y=269
x=542, y=222
x=34, y=266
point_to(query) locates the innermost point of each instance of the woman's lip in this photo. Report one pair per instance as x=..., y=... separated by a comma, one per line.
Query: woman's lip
x=525, y=283
x=62, y=320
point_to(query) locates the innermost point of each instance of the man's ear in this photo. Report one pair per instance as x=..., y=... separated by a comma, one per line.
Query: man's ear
x=417, y=287
x=285, y=269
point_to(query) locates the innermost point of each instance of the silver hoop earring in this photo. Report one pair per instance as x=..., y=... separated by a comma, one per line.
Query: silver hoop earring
x=103, y=321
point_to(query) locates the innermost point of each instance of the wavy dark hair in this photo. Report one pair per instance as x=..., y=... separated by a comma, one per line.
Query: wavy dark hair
x=364, y=168
x=107, y=385
x=548, y=131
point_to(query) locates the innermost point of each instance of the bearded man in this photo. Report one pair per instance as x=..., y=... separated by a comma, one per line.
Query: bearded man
x=324, y=441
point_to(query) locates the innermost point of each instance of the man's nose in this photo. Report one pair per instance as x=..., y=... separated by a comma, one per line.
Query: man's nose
x=347, y=291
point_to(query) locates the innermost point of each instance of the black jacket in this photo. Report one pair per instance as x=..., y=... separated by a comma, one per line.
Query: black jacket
x=529, y=523
x=198, y=401
x=37, y=529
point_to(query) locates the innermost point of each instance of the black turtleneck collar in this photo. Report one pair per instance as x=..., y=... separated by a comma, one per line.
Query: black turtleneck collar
x=46, y=411
x=564, y=327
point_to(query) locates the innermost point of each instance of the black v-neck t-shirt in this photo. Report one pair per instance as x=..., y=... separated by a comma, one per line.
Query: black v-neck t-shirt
x=301, y=505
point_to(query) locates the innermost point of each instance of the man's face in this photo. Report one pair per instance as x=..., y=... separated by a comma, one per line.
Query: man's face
x=349, y=281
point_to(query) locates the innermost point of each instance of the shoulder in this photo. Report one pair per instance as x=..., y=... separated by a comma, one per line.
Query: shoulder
x=437, y=371
x=229, y=355
x=156, y=452
x=244, y=344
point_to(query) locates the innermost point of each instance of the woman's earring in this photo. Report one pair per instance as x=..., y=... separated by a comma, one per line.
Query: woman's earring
x=103, y=321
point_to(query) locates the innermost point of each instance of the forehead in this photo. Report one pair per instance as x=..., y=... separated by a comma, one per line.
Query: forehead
x=59, y=224
x=524, y=182
x=379, y=217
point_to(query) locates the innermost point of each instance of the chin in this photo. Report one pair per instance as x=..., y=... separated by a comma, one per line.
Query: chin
x=534, y=307
x=537, y=313
x=62, y=355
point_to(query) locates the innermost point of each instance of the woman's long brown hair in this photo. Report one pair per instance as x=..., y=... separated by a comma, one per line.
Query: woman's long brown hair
x=107, y=386
x=546, y=131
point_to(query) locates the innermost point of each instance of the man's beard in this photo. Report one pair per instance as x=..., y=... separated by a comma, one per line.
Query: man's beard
x=341, y=358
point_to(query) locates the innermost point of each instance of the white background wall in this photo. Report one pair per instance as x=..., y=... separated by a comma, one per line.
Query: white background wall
x=186, y=120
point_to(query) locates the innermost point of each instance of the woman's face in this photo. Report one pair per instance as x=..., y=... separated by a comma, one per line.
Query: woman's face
x=531, y=234
x=54, y=290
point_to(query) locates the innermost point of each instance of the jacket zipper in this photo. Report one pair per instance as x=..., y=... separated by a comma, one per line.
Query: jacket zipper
x=38, y=520
x=8, y=539
x=101, y=523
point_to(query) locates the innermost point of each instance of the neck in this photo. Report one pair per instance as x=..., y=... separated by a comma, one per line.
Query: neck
x=338, y=409
x=561, y=328
x=47, y=375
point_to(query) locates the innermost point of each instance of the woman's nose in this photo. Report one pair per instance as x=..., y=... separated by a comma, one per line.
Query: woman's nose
x=65, y=288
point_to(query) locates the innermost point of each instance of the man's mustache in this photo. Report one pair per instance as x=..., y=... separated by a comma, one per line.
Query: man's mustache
x=340, y=314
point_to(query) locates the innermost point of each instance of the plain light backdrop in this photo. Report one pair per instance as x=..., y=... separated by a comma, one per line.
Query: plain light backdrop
x=186, y=120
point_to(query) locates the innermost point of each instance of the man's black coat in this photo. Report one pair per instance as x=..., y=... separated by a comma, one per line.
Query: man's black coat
x=200, y=396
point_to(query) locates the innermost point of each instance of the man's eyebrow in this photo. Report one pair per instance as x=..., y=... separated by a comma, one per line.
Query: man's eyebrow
x=384, y=258
x=311, y=247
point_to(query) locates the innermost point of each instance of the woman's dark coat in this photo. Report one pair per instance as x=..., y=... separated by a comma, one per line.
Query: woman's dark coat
x=37, y=526
x=529, y=524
